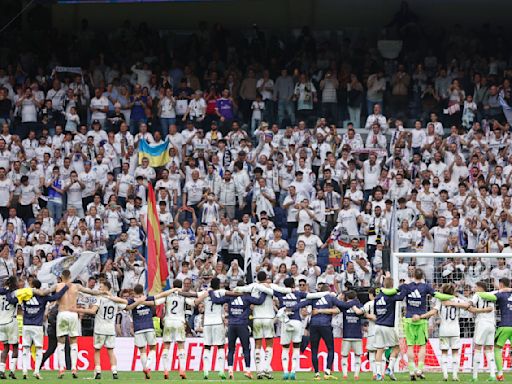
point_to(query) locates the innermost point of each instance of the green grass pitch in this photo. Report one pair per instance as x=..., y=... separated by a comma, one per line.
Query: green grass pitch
x=302, y=377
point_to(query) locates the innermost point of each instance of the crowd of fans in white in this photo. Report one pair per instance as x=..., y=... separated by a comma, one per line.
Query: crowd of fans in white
x=256, y=156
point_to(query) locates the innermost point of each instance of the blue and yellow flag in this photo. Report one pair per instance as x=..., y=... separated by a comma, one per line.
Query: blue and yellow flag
x=157, y=154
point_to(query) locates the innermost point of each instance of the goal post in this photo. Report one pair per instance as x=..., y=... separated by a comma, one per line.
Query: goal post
x=464, y=270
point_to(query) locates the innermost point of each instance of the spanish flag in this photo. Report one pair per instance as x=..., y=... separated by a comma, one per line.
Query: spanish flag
x=156, y=260
x=157, y=154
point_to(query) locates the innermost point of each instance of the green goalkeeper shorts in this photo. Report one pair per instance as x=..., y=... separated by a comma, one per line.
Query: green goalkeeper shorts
x=502, y=335
x=416, y=332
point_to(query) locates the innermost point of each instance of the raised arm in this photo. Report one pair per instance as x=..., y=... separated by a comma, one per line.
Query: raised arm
x=457, y=304
x=429, y=314
x=303, y=303
x=117, y=299
x=56, y=296
x=219, y=299
x=257, y=300
x=45, y=291
x=89, y=291
x=357, y=310
x=264, y=289
x=443, y=296
x=87, y=311
x=245, y=288
x=136, y=303
x=200, y=298
x=166, y=293
x=278, y=288
x=188, y=294
x=488, y=296
x=325, y=311
x=476, y=310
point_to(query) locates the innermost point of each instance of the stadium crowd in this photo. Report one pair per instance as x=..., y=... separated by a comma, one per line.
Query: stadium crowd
x=318, y=155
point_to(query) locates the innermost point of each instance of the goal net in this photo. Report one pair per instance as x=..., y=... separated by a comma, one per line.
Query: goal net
x=463, y=270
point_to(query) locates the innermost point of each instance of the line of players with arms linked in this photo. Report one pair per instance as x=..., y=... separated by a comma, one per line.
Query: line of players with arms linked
x=266, y=302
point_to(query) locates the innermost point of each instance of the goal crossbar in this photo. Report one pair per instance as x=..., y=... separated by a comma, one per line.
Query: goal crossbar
x=450, y=255
x=396, y=255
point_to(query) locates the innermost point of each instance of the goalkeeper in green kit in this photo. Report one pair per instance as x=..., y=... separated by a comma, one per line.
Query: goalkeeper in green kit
x=415, y=328
x=503, y=299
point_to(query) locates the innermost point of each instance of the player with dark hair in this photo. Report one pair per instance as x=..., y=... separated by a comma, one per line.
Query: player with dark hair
x=504, y=331
x=485, y=328
x=8, y=325
x=239, y=308
x=320, y=328
x=33, y=318
x=214, y=332
x=105, y=310
x=449, y=329
x=416, y=332
x=352, y=330
x=143, y=328
x=291, y=325
x=385, y=332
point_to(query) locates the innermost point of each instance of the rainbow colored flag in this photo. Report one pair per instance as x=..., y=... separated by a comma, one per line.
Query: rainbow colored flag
x=157, y=154
x=156, y=260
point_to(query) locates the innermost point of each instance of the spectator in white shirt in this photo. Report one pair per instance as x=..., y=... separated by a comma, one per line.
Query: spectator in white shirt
x=418, y=137
x=375, y=138
x=499, y=272
x=142, y=75
x=99, y=107
x=146, y=171
x=377, y=118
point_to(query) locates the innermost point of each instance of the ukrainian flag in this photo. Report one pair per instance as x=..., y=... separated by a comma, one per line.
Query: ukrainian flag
x=158, y=154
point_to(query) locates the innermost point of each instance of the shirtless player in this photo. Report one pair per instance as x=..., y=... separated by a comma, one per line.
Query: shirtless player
x=67, y=322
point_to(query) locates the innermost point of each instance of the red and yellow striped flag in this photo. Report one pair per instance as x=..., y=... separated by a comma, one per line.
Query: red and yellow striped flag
x=156, y=259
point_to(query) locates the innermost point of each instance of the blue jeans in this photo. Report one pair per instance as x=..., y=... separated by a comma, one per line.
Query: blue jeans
x=355, y=116
x=104, y=257
x=164, y=124
x=110, y=249
x=254, y=125
x=55, y=210
x=285, y=107
x=269, y=113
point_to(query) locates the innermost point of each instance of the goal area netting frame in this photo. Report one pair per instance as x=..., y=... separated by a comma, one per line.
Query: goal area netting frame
x=433, y=272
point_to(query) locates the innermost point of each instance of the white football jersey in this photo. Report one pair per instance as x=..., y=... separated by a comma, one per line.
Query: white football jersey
x=449, y=316
x=213, y=312
x=7, y=310
x=175, y=307
x=489, y=317
x=369, y=308
x=265, y=310
x=105, y=320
